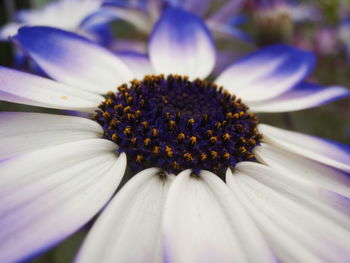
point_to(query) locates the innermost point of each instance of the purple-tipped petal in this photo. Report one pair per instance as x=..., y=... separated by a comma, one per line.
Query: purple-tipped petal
x=197, y=7
x=321, y=150
x=47, y=195
x=303, y=96
x=73, y=59
x=181, y=44
x=267, y=73
x=20, y=87
x=112, y=11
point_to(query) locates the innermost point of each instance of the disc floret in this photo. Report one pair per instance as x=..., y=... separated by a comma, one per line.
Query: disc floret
x=176, y=124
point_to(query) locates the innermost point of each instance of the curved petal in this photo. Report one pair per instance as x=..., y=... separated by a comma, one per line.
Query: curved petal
x=48, y=194
x=286, y=248
x=245, y=230
x=198, y=226
x=181, y=44
x=321, y=150
x=65, y=14
x=138, y=63
x=113, y=11
x=20, y=87
x=131, y=220
x=226, y=11
x=296, y=222
x=303, y=96
x=22, y=132
x=267, y=73
x=226, y=30
x=197, y=7
x=9, y=30
x=304, y=169
x=72, y=59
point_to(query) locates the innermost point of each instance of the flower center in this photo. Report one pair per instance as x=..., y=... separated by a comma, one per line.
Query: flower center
x=177, y=124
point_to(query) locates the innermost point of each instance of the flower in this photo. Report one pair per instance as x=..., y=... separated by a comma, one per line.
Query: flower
x=69, y=15
x=272, y=21
x=64, y=14
x=301, y=12
x=57, y=172
x=142, y=15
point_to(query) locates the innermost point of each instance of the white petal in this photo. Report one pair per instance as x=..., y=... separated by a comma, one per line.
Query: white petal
x=20, y=87
x=181, y=44
x=65, y=14
x=138, y=18
x=267, y=73
x=72, y=59
x=302, y=168
x=22, y=132
x=9, y=30
x=304, y=96
x=139, y=64
x=130, y=227
x=286, y=248
x=321, y=150
x=197, y=227
x=47, y=195
x=294, y=217
x=244, y=228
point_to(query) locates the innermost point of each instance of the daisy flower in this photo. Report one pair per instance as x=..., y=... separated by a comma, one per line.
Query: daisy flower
x=208, y=182
x=223, y=22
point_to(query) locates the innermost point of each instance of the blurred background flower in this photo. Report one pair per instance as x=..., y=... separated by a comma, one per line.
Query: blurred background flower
x=64, y=14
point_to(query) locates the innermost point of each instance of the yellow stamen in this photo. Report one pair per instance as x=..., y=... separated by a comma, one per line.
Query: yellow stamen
x=181, y=136
x=188, y=157
x=214, y=154
x=139, y=158
x=147, y=141
x=226, y=136
x=193, y=140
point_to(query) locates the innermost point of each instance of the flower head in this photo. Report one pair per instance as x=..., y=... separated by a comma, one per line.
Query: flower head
x=59, y=171
x=144, y=14
x=157, y=124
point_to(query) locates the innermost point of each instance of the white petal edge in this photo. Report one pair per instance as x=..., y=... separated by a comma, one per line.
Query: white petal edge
x=22, y=132
x=304, y=169
x=196, y=227
x=129, y=229
x=296, y=229
x=25, y=88
x=9, y=30
x=321, y=150
x=48, y=194
x=245, y=229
